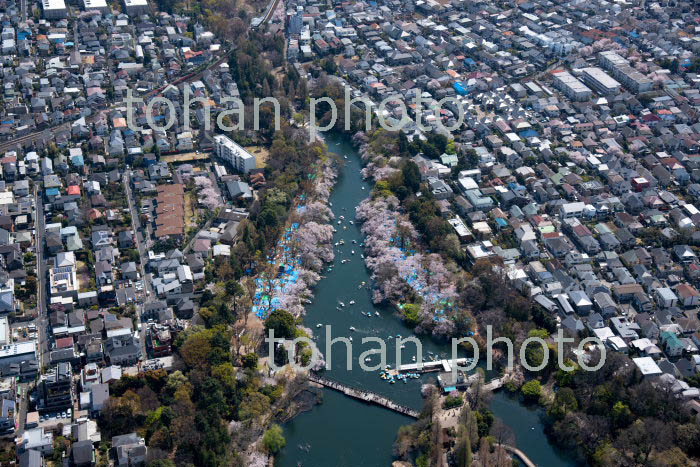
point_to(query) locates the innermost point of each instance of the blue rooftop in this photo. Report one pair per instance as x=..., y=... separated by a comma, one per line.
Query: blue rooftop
x=461, y=89
x=530, y=133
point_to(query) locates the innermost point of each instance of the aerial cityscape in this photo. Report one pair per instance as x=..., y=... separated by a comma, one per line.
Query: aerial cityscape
x=316, y=233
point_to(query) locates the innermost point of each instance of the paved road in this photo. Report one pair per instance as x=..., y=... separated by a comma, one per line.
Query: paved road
x=41, y=271
x=271, y=7
x=143, y=254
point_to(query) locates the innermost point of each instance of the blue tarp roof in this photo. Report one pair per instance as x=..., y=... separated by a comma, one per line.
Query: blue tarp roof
x=461, y=89
x=528, y=133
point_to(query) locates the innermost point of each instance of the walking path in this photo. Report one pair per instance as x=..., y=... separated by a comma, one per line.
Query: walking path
x=519, y=454
x=366, y=396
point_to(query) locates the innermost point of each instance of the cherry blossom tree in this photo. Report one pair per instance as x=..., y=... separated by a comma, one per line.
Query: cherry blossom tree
x=207, y=195
x=309, y=246
x=401, y=272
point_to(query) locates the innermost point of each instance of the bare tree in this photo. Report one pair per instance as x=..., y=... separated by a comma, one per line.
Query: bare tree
x=504, y=435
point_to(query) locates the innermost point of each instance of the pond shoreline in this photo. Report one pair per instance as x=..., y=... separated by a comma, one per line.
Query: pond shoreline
x=343, y=429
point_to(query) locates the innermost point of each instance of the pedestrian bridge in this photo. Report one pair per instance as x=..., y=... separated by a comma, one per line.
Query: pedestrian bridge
x=519, y=454
x=366, y=396
x=377, y=399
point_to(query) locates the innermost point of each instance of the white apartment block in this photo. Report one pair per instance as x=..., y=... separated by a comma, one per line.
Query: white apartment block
x=621, y=70
x=54, y=9
x=228, y=150
x=600, y=81
x=571, y=86
x=137, y=7
x=99, y=5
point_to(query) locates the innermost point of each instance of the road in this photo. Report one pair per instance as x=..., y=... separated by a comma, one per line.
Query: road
x=41, y=272
x=271, y=7
x=143, y=254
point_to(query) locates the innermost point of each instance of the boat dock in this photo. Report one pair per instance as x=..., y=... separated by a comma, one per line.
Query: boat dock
x=495, y=384
x=366, y=396
x=436, y=365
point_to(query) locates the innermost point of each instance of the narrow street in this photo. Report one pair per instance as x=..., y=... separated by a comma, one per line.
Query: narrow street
x=143, y=255
x=42, y=318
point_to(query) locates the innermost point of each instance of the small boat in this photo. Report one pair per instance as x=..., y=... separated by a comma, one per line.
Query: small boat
x=352, y=328
x=350, y=338
x=414, y=358
x=362, y=256
x=336, y=243
x=342, y=261
x=354, y=241
x=345, y=157
x=341, y=304
x=319, y=325
x=352, y=252
x=363, y=188
x=376, y=313
x=339, y=222
x=330, y=204
x=367, y=359
x=341, y=218
x=352, y=302
x=341, y=242
x=352, y=223
x=345, y=227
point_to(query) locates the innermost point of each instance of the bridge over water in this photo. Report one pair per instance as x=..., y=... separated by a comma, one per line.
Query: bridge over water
x=374, y=398
x=377, y=399
x=366, y=396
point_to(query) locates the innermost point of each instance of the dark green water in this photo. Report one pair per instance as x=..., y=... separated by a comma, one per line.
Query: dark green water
x=347, y=432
